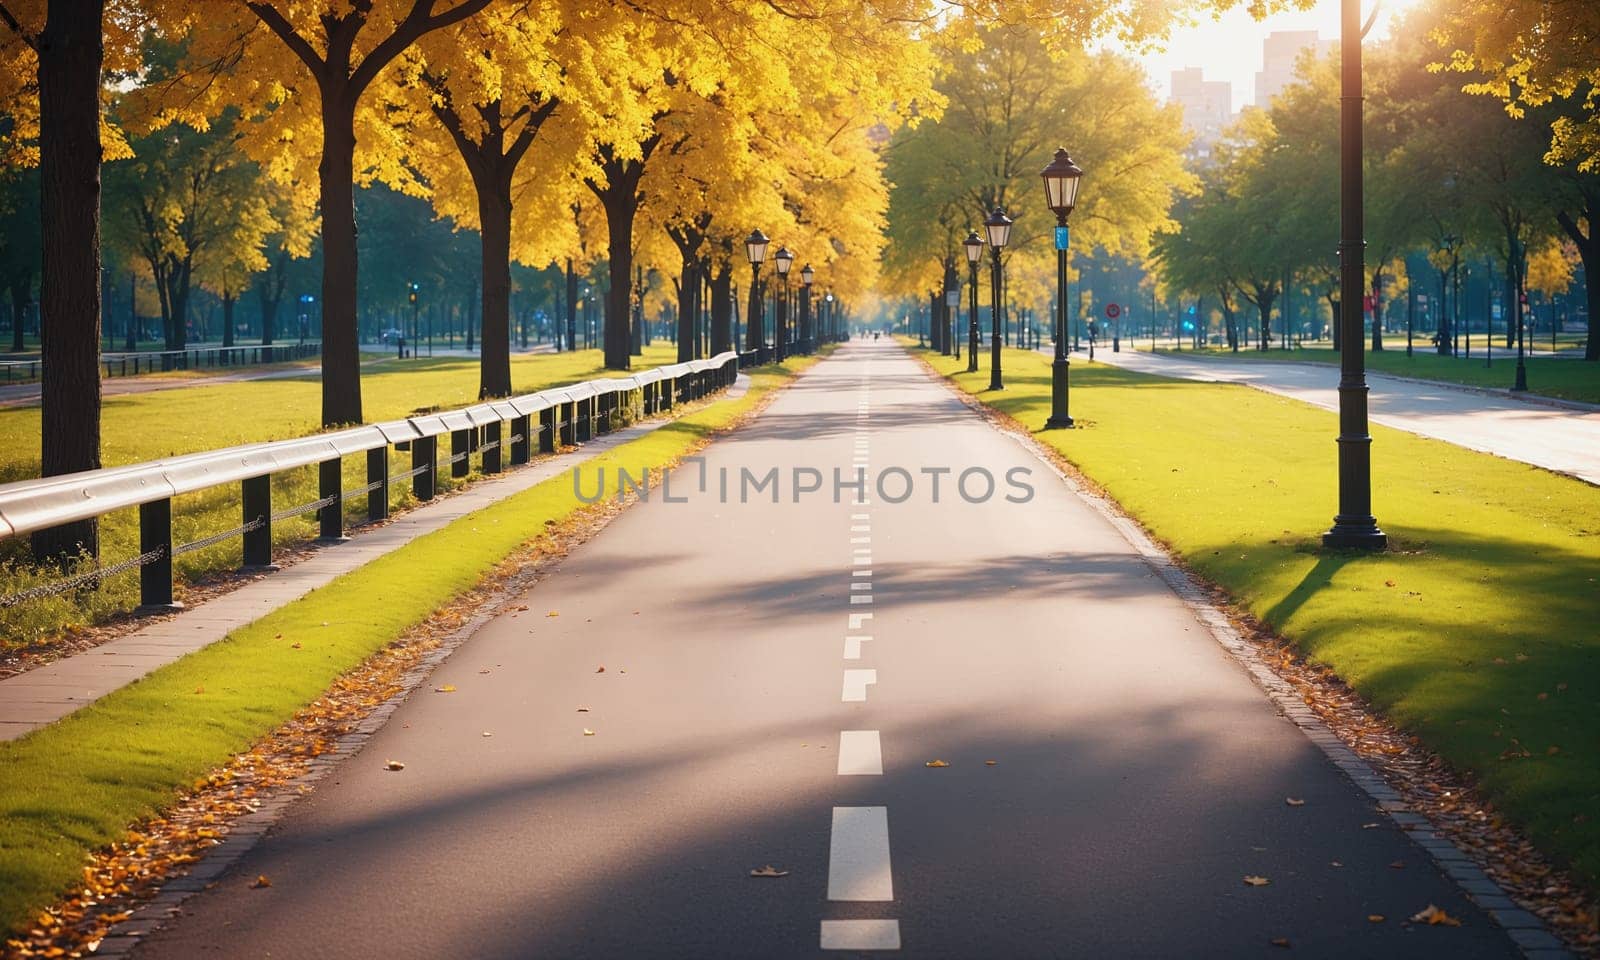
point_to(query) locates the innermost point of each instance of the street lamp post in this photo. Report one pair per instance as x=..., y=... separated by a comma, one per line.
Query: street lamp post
x=1354, y=525
x=998, y=227
x=1520, y=268
x=783, y=259
x=807, y=325
x=1061, y=180
x=755, y=248
x=973, y=246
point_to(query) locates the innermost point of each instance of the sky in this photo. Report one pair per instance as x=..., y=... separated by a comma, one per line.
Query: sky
x=1229, y=48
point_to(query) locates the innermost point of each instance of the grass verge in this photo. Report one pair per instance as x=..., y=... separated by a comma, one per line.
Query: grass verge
x=1558, y=377
x=76, y=785
x=1478, y=630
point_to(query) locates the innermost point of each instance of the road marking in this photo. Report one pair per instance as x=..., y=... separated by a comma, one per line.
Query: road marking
x=861, y=934
x=860, y=753
x=860, y=586
x=860, y=539
x=861, y=528
x=860, y=516
x=858, y=855
x=855, y=685
x=867, y=572
x=852, y=647
x=861, y=600
x=857, y=619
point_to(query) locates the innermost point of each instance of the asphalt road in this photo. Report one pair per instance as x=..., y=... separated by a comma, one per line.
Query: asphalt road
x=1556, y=438
x=1138, y=775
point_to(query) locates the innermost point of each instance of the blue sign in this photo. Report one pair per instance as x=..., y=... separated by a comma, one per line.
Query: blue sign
x=1061, y=238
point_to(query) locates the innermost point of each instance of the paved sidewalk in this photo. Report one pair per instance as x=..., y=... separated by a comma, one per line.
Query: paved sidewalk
x=1563, y=440
x=42, y=696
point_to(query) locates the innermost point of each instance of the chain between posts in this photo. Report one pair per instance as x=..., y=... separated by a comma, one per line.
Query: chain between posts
x=43, y=590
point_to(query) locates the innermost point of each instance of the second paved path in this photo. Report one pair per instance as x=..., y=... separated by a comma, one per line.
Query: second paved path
x=1138, y=775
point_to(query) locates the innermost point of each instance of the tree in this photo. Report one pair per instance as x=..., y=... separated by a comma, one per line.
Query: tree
x=19, y=245
x=69, y=52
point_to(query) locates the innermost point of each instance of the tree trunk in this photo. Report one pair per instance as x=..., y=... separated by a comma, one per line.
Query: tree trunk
x=620, y=203
x=722, y=310
x=180, y=277
x=572, y=307
x=70, y=57
x=1589, y=255
x=228, y=300
x=688, y=307
x=19, y=291
x=494, y=217
x=341, y=357
x=1377, y=311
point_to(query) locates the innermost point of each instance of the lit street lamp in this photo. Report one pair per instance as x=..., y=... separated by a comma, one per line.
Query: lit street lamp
x=807, y=331
x=1354, y=525
x=755, y=247
x=1061, y=180
x=973, y=246
x=783, y=259
x=998, y=227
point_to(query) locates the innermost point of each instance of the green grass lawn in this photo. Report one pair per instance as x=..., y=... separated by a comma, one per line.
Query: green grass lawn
x=76, y=785
x=1479, y=630
x=147, y=426
x=1559, y=377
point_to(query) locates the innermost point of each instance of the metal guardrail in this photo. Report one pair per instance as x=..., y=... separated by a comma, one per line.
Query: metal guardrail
x=133, y=363
x=565, y=416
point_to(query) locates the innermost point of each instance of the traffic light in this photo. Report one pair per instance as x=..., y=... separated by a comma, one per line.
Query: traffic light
x=412, y=295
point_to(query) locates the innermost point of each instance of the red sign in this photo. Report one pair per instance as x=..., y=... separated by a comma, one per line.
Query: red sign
x=1369, y=303
x=1113, y=311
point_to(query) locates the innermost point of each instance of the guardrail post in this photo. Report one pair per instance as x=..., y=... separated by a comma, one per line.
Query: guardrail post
x=520, y=428
x=424, y=452
x=666, y=390
x=586, y=413
x=378, y=472
x=257, y=497
x=492, y=432
x=460, y=445
x=330, y=481
x=567, y=417
x=155, y=577
x=604, y=403
x=547, y=429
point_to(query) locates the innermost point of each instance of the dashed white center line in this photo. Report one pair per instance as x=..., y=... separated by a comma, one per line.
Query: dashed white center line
x=852, y=647
x=860, y=753
x=861, y=935
x=855, y=685
x=858, y=855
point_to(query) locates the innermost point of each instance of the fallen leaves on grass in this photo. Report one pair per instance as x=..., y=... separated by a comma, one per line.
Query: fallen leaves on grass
x=1434, y=917
x=1255, y=881
x=769, y=871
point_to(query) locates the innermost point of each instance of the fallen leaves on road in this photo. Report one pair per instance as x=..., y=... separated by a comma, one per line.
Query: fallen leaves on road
x=769, y=871
x=587, y=732
x=1375, y=918
x=990, y=763
x=552, y=613
x=600, y=669
x=394, y=765
x=583, y=709
x=447, y=688
x=260, y=882
x=1434, y=917
x=1294, y=801
x=1279, y=941
x=1397, y=865
x=487, y=733
x=522, y=607
x=1255, y=881
x=936, y=763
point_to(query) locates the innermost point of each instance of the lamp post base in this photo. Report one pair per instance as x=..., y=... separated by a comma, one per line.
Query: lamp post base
x=1521, y=384
x=1059, y=419
x=1355, y=533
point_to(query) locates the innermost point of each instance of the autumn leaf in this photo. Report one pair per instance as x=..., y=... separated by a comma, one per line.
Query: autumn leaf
x=1374, y=918
x=552, y=613
x=769, y=871
x=1294, y=801
x=261, y=881
x=487, y=733
x=583, y=709
x=295, y=645
x=522, y=607
x=1256, y=881
x=1280, y=941
x=447, y=688
x=1434, y=917
x=936, y=763
x=587, y=732
x=990, y=763
x=600, y=669
x=394, y=765
x=200, y=689
x=1397, y=865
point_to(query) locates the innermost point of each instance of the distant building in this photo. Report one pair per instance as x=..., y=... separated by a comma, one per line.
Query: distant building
x=1207, y=106
x=1279, y=52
